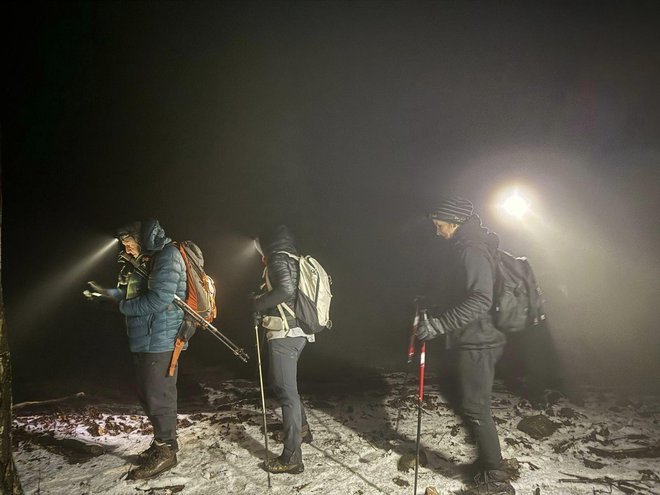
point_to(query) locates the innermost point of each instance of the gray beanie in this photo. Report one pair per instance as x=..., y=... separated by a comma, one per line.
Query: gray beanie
x=453, y=210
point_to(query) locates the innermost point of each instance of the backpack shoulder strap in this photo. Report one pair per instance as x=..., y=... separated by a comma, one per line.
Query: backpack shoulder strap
x=535, y=293
x=280, y=307
x=293, y=256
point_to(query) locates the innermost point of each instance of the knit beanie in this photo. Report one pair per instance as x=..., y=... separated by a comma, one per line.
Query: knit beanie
x=453, y=210
x=132, y=229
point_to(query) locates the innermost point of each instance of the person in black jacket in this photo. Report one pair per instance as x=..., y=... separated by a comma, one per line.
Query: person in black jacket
x=470, y=332
x=286, y=341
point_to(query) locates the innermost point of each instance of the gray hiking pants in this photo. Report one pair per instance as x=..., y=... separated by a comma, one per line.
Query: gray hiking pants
x=476, y=372
x=157, y=392
x=284, y=354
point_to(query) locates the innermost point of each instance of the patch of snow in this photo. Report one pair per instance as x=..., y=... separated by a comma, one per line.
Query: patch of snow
x=355, y=448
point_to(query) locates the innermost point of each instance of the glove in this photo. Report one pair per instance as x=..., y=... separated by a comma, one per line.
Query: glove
x=98, y=292
x=428, y=329
x=98, y=288
x=256, y=318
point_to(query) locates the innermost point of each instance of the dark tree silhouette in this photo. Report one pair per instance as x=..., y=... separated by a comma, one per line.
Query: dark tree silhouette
x=9, y=482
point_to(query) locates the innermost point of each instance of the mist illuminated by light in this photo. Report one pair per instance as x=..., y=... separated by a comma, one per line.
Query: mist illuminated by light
x=52, y=289
x=83, y=265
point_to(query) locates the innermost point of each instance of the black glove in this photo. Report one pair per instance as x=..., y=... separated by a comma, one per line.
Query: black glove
x=256, y=318
x=429, y=328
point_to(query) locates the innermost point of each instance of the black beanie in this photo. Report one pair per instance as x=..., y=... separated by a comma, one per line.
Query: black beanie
x=453, y=210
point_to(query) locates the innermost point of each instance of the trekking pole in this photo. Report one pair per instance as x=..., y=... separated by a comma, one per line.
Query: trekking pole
x=422, y=366
x=238, y=352
x=411, y=354
x=261, y=389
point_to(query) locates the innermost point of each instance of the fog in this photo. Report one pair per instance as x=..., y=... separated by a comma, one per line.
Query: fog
x=346, y=121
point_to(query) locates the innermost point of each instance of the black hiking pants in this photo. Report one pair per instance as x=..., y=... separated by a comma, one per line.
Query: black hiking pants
x=157, y=393
x=476, y=372
x=284, y=354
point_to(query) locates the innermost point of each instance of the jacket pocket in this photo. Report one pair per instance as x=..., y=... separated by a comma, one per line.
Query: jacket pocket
x=138, y=326
x=150, y=322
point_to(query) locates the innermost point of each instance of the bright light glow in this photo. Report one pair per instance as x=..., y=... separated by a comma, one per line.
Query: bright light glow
x=516, y=205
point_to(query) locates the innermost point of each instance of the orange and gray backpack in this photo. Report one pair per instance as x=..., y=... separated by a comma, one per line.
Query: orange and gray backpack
x=200, y=296
x=200, y=291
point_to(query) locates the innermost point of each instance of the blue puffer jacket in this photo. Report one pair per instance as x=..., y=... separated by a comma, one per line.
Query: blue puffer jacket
x=152, y=319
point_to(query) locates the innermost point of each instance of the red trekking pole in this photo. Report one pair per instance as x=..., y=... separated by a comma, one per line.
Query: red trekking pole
x=411, y=355
x=422, y=366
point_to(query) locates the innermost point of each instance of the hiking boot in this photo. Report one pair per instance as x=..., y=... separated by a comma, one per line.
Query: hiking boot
x=279, y=465
x=491, y=482
x=161, y=458
x=306, y=433
x=142, y=457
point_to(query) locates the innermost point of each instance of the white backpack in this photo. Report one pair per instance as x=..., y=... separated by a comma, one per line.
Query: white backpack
x=312, y=306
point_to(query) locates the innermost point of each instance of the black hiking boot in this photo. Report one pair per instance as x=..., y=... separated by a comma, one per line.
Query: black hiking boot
x=161, y=458
x=279, y=465
x=306, y=433
x=491, y=482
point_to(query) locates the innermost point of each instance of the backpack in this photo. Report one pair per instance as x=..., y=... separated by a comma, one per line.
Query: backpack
x=312, y=306
x=200, y=290
x=517, y=297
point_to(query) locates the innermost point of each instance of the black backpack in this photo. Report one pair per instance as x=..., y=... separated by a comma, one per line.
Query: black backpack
x=517, y=297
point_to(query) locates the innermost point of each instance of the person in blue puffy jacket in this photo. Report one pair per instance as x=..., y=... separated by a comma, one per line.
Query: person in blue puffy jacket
x=152, y=322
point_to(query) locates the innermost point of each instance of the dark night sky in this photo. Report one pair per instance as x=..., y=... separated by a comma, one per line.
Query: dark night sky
x=345, y=120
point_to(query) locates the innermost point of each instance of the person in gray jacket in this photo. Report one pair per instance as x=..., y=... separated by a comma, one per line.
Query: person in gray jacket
x=467, y=324
x=152, y=321
x=286, y=341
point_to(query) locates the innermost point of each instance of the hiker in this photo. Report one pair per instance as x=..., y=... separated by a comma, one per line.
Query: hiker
x=286, y=341
x=152, y=321
x=469, y=331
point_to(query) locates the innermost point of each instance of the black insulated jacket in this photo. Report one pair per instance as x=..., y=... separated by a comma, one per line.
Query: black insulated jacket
x=282, y=271
x=468, y=323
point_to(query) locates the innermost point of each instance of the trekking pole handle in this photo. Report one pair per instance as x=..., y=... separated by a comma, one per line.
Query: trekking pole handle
x=134, y=263
x=411, y=342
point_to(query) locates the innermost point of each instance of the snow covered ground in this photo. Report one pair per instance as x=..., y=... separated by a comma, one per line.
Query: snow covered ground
x=356, y=449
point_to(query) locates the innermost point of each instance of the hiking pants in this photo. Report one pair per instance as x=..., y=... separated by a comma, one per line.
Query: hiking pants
x=284, y=354
x=157, y=392
x=476, y=371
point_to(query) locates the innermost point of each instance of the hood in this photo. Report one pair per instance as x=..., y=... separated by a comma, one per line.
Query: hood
x=279, y=239
x=473, y=232
x=153, y=236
